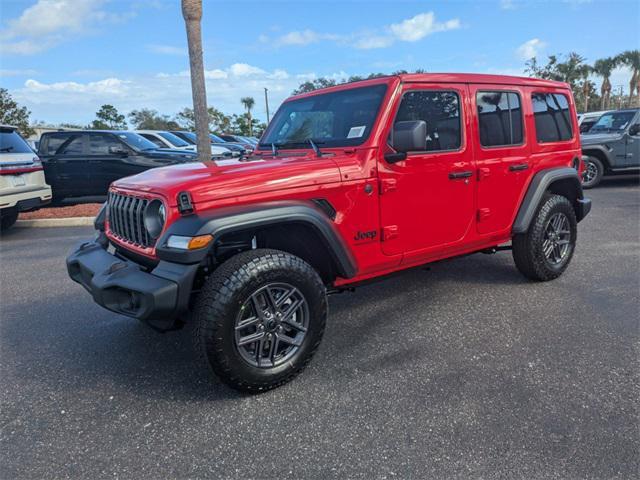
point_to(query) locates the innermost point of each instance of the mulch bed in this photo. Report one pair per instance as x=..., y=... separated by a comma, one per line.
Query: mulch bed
x=84, y=210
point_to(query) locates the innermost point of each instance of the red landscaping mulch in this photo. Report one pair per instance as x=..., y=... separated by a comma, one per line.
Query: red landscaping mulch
x=84, y=210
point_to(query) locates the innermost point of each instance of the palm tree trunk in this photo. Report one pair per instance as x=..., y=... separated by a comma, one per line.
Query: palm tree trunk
x=250, y=124
x=192, y=13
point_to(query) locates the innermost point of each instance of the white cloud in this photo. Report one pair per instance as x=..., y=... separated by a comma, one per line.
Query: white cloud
x=166, y=49
x=530, y=48
x=48, y=23
x=110, y=86
x=244, y=69
x=507, y=5
x=420, y=26
x=409, y=30
x=17, y=73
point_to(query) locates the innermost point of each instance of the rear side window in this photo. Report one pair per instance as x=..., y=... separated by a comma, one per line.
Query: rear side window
x=156, y=141
x=99, y=143
x=440, y=110
x=11, y=142
x=61, y=143
x=499, y=118
x=552, y=117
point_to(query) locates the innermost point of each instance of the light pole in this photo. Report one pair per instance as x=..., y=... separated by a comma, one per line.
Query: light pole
x=266, y=102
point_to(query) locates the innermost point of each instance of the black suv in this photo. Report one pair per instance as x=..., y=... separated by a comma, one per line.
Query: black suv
x=84, y=163
x=612, y=145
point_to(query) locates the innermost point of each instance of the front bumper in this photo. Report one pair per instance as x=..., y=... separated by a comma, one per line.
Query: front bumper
x=157, y=297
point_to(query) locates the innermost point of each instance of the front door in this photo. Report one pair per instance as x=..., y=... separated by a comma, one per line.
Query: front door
x=427, y=200
x=632, y=150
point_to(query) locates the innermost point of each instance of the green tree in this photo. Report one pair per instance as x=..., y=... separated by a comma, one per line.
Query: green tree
x=248, y=103
x=108, y=118
x=631, y=58
x=13, y=114
x=244, y=125
x=218, y=121
x=603, y=68
x=147, y=119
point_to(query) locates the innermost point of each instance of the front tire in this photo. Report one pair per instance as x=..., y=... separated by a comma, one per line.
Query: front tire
x=593, y=173
x=545, y=250
x=260, y=318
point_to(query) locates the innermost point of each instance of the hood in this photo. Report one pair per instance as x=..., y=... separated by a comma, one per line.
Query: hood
x=214, y=180
x=598, y=138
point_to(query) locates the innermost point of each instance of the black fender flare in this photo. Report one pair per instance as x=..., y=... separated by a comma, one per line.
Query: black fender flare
x=240, y=218
x=601, y=149
x=537, y=188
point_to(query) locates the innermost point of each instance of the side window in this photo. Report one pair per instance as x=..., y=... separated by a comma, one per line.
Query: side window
x=154, y=139
x=70, y=145
x=99, y=143
x=499, y=118
x=552, y=117
x=440, y=110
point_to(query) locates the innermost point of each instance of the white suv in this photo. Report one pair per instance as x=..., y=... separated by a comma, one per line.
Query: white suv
x=168, y=140
x=22, y=184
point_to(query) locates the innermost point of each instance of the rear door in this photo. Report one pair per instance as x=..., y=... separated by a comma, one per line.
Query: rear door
x=427, y=200
x=501, y=152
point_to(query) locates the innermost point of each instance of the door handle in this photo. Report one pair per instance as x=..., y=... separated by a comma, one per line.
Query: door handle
x=459, y=175
x=518, y=168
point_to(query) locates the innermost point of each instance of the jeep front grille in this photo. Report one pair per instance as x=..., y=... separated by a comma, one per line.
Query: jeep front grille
x=126, y=219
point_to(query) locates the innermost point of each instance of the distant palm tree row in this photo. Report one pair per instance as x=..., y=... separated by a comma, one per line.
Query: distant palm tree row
x=575, y=71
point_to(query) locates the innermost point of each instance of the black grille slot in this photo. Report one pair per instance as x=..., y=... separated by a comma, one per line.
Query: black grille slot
x=126, y=219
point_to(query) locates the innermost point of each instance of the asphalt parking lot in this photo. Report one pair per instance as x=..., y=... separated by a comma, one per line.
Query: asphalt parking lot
x=465, y=370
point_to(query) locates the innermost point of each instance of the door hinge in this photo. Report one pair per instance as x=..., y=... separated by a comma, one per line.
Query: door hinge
x=483, y=173
x=483, y=214
x=389, y=232
x=387, y=185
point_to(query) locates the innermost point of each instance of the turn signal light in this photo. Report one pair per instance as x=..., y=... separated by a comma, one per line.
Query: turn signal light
x=189, y=243
x=200, y=241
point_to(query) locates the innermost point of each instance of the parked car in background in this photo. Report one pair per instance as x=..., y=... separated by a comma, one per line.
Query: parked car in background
x=238, y=139
x=612, y=145
x=190, y=137
x=217, y=138
x=587, y=120
x=22, y=182
x=85, y=162
x=163, y=139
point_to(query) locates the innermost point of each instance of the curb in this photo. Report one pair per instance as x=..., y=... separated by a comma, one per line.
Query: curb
x=56, y=222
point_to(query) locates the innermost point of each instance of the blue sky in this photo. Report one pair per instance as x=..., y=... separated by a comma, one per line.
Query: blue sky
x=65, y=58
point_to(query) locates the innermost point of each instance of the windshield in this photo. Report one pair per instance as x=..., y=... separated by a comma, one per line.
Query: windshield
x=336, y=119
x=174, y=140
x=612, y=122
x=11, y=142
x=136, y=141
x=216, y=138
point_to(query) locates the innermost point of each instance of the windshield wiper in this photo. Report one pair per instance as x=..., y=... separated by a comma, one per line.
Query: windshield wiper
x=315, y=148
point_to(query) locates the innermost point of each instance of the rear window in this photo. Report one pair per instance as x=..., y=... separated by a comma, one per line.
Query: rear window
x=552, y=117
x=499, y=118
x=11, y=142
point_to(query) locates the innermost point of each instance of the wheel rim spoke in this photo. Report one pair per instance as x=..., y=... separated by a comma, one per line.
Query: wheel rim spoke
x=249, y=339
x=557, y=239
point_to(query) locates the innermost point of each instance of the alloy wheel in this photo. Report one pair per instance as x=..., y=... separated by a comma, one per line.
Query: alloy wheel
x=590, y=173
x=271, y=325
x=557, y=239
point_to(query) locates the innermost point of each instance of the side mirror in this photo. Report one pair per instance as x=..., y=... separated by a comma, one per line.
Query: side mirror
x=634, y=129
x=408, y=136
x=118, y=151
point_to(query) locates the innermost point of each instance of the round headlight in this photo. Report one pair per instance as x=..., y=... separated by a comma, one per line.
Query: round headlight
x=154, y=218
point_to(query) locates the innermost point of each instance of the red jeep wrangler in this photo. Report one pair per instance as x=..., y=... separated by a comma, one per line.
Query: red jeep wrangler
x=347, y=184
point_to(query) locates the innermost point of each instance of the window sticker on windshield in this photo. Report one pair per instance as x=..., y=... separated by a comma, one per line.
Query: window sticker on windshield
x=356, y=132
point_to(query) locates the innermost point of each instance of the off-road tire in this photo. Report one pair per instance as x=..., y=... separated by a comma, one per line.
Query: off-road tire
x=8, y=218
x=220, y=300
x=589, y=179
x=528, y=251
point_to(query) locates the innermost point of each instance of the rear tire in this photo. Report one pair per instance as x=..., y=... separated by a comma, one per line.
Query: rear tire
x=259, y=319
x=545, y=250
x=8, y=218
x=593, y=173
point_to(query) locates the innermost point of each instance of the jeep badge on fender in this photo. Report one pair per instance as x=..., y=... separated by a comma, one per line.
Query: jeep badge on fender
x=248, y=250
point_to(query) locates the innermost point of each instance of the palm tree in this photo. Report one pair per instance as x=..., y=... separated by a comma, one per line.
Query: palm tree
x=603, y=68
x=192, y=13
x=584, y=71
x=631, y=58
x=248, y=103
